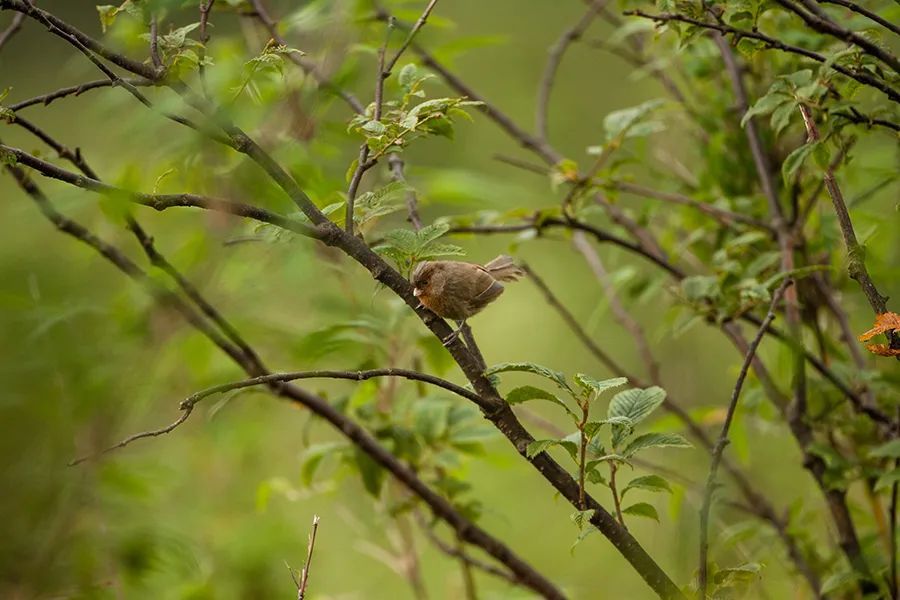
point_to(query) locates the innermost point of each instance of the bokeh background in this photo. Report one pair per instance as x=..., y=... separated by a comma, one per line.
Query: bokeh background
x=214, y=509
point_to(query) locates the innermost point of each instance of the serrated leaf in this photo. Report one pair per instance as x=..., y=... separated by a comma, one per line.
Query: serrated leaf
x=581, y=517
x=887, y=479
x=528, y=392
x=538, y=446
x=765, y=105
x=589, y=384
x=374, y=128
x=617, y=123
x=528, y=367
x=642, y=509
x=732, y=575
x=636, y=403
x=794, y=160
x=655, y=440
x=890, y=449
x=651, y=483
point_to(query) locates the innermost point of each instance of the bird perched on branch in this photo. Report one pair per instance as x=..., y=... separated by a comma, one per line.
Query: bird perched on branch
x=458, y=290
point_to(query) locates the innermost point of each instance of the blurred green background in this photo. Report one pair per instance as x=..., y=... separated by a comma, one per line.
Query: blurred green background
x=214, y=509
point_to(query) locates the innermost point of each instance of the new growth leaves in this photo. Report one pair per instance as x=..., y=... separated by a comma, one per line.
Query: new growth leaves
x=625, y=411
x=408, y=118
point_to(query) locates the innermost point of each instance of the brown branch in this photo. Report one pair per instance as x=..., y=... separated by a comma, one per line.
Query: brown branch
x=308, y=66
x=420, y=22
x=554, y=59
x=818, y=20
x=856, y=254
x=154, y=43
x=773, y=44
x=618, y=309
x=160, y=202
x=723, y=216
x=14, y=27
x=865, y=12
x=304, y=574
x=723, y=437
x=412, y=203
x=76, y=90
x=461, y=555
x=356, y=434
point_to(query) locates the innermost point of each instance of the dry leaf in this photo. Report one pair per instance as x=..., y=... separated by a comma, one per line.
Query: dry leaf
x=883, y=350
x=883, y=322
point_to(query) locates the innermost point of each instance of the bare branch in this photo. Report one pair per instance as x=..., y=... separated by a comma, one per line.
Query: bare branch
x=856, y=261
x=304, y=574
x=866, y=13
x=77, y=90
x=412, y=204
x=161, y=202
x=723, y=436
x=570, y=35
x=13, y=28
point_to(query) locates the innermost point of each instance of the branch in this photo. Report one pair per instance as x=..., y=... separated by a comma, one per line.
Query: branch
x=856, y=254
x=865, y=12
x=774, y=44
x=818, y=20
x=461, y=555
x=304, y=574
x=420, y=22
x=13, y=28
x=308, y=66
x=77, y=90
x=570, y=35
x=356, y=434
x=412, y=204
x=723, y=216
x=723, y=436
x=161, y=202
x=64, y=30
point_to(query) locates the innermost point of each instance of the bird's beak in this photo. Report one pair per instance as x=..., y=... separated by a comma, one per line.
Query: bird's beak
x=417, y=292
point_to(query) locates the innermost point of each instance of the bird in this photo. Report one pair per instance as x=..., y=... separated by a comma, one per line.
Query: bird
x=458, y=290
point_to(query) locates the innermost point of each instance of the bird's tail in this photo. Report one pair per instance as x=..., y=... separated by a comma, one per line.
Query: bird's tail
x=503, y=268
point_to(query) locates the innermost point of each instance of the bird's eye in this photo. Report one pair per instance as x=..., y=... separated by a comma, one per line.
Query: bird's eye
x=423, y=283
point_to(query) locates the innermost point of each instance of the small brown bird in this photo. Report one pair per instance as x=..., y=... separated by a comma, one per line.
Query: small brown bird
x=458, y=290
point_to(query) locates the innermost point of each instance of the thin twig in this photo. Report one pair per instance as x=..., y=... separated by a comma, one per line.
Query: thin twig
x=570, y=35
x=420, y=22
x=154, y=42
x=818, y=20
x=723, y=436
x=412, y=203
x=76, y=90
x=13, y=28
x=856, y=254
x=865, y=12
x=774, y=44
x=304, y=574
x=308, y=66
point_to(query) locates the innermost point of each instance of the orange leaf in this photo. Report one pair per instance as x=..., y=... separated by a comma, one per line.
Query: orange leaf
x=883, y=350
x=883, y=322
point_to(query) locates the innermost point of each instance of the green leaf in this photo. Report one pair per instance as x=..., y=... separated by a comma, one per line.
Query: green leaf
x=538, y=446
x=528, y=392
x=582, y=517
x=794, y=160
x=374, y=128
x=890, y=449
x=636, y=403
x=313, y=458
x=642, y=509
x=589, y=384
x=371, y=472
x=651, y=483
x=765, y=105
x=617, y=123
x=655, y=440
x=887, y=479
x=740, y=574
x=528, y=367
x=407, y=76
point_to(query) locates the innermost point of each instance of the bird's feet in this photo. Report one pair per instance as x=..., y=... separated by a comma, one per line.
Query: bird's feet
x=452, y=337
